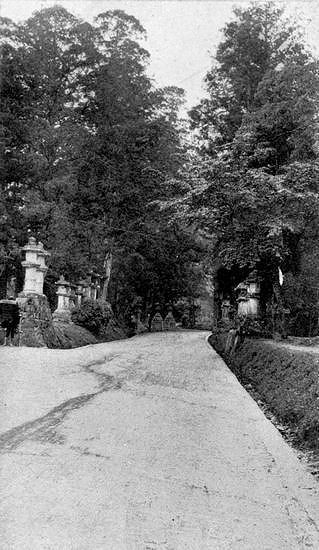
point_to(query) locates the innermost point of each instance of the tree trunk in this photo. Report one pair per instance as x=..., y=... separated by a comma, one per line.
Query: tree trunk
x=310, y=324
x=108, y=268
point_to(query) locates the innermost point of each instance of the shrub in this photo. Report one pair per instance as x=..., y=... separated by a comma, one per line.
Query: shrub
x=93, y=315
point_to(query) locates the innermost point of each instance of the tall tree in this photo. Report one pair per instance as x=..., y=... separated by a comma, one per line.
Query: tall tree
x=259, y=40
x=43, y=61
x=128, y=158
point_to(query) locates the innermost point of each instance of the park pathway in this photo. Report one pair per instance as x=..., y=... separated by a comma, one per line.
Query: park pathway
x=144, y=444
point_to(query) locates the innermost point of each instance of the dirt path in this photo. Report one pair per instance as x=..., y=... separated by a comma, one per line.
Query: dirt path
x=158, y=448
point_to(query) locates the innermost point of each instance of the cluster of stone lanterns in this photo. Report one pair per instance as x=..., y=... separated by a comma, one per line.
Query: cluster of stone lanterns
x=159, y=323
x=38, y=327
x=70, y=295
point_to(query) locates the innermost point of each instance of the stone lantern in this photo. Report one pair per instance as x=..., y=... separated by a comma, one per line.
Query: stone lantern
x=63, y=310
x=253, y=292
x=248, y=297
x=140, y=327
x=94, y=279
x=242, y=300
x=226, y=306
x=35, y=268
x=157, y=321
x=169, y=321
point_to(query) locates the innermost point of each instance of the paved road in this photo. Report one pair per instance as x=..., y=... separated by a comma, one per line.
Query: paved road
x=159, y=448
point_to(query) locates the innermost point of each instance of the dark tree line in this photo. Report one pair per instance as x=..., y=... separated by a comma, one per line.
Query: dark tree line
x=253, y=188
x=89, y=147
x=91, y=150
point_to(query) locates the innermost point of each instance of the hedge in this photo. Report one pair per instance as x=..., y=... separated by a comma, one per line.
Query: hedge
x=285, y=378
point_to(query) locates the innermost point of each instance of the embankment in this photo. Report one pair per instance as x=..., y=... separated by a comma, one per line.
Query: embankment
x=285, y=376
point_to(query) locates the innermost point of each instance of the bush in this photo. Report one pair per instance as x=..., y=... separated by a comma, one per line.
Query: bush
x=286, y=378
x=93, y=315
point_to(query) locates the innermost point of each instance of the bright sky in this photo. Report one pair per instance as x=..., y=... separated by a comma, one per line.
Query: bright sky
x=181, y=33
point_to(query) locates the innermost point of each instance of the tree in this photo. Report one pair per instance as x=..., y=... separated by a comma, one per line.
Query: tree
x=282, y=127
x=252, y=189
x=42, y=59
x=259, y=41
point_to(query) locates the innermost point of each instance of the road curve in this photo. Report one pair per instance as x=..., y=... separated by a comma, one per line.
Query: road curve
x=164, y=451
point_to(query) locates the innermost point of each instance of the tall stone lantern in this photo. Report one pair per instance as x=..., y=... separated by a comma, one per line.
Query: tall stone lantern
x=249, y=295
x=35, y=268
x=35, y=312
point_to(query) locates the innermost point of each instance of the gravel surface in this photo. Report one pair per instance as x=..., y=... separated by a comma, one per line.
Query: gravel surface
x=144, y=444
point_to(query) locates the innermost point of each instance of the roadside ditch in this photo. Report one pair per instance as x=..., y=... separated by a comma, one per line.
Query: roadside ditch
x=284, y=382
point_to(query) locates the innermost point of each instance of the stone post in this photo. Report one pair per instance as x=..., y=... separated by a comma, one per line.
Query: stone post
x=63, y=312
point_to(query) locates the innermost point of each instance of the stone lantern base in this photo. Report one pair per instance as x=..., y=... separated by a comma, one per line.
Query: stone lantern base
x=36, y=321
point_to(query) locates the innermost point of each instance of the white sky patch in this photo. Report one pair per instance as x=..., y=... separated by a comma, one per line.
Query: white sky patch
x=181, y=34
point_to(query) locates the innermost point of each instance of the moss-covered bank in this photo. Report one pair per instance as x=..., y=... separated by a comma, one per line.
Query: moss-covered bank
x=286, y=378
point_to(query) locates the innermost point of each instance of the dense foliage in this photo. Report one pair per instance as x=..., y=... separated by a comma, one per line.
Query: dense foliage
x=88, y=146
x=254, y=188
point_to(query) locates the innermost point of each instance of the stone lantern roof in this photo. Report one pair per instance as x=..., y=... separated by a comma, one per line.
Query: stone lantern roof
x=62, y=282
